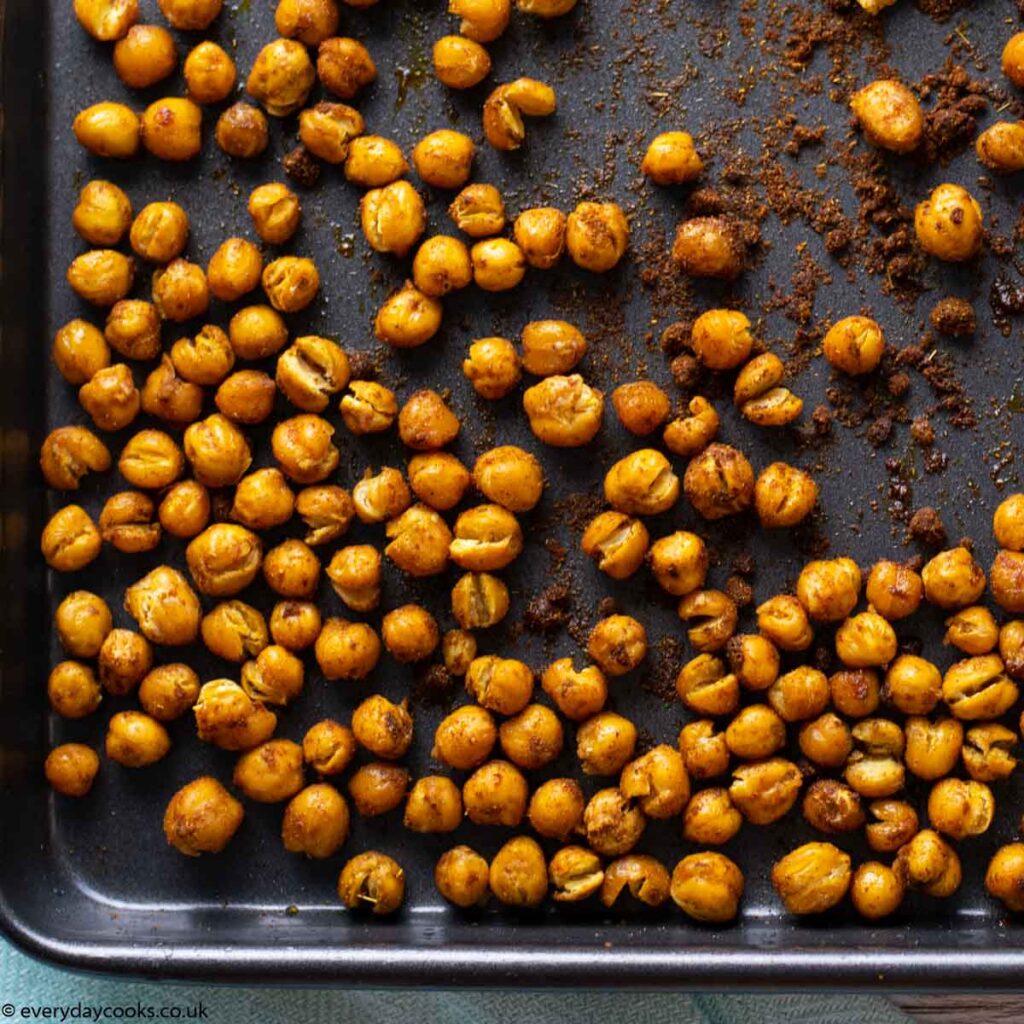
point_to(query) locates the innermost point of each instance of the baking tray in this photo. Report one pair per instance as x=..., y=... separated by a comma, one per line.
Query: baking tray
x=91, y=884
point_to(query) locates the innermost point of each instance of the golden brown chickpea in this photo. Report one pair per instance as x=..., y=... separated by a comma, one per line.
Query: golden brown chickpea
x=229, y=718
x=281, y=77
x=103, y=213
x=126, y=523
x=145, y=56
x=315, y=822
x=1011, y=648
x=68, y=454
x=708, y=247
x=234, y=630
x=865, y=640
x=271, y=772
x=1006, y=579
x=108, y=129
x=509, y=476
x=1013, y=58
x=410, y=633
x=672, y=159
x=492, y=367
x=371, y=408
x=679, y=562
x=458, y=648
x=564, y=412
x=462, y=877
x=460, y=63
x=642, y=483
x=124, y=658
x=345, y=67
x=502, y=685
x=190, y=15
x=855, y=693
x=165, y=607
x=372, y=880
x=218, y=451
x=978, y=688
x=303, y=449
x=759, y=395
x=705, y=688
x=953, y=579
x=617, y=543
x=202, y=817
x=874, y=769
x=169, y=691
x=101, y=276
x=893, y=824
x=151, y=460
x=597, y=235
x=135, y=740
x=1001, y=147
x=393, y=218
x=486, y=538
x=106, y=20
x=721, y=338
x=441, y=265
x=987, y=752
x=705, y=752
x=326, y=510
x=242, y=131
x=234, y=269
x=577, y=694
x=408, y=318
x=756, y=732
x=949, y=224
x=575, y=874
x=377, y=498
x=928, y=862
x=540, y=234
x=933, y=748
x=641, y=406
x=765, y=791
x=434, y=804
x=889, y=115
x=689, y=435
x=894, y=590
x=71, y=769
x=799, y=694
x=291, y=283
x=347, y=650
x=784, y=496
x=465, y=738
x=552, y=347
x=812, y=878
x=605, y=743
x=444, y=158
x=426, y=423
x=295, y=625
x=438, y=479
x=478, y=210
x=171, y=129
x=784, y=622
x=374, y=161
x=832, y=807
x=70, y=540
x=276, y=676
x=1008, y=523
x=205, y=359
x=754, y=660
x=876, y=890
x=185, y=509
x=495, y=794
x=518, y=875
x=481, y=20
x=658, y=780
x=1004, y=878
x=328, y=747
x=257, y=332
x=498, y=264
x=854, y=345
x=912, y=685
x=556, y=808
x=180, y=291
x=82, y=621
x=719, y=482
x=612, y=824
x=209, y=72
x=133, y=329
x=224, y=559
x=275, y=211
x=292, y=569
x=960, y=809
x=73, y=690
x=707, y=887
x=618, y=644
x=169, y=397
x=263, y=500
x=479, y=600
x=826, y=741
x=829, y=590
x=309, y=21
x=80, y=351
x=710, y=819
x=714, y=615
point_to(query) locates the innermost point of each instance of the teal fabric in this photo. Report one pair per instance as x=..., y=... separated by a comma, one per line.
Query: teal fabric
x=25, y=983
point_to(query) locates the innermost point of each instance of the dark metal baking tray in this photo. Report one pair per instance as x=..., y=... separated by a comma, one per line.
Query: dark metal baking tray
x=91, y=883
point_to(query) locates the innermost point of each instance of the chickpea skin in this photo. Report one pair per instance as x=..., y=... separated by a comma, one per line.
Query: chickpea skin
x=315, y=822
x=854, y=345
x=145, y=56
x=949, y=224
x=103, y=213
x=597, y=236
x=71, y=769
x=889, y=115
x=460, y=63
x=672, y=159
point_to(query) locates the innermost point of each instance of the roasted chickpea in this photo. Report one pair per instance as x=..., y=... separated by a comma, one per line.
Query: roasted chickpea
x=605, y=743
x=978, y=688
x=124, y=658
x=108, y=129
x=372, y=880
x=754, y=660
x=855, y=693
x=498, y=264
x=1011, y=648
x=481, y=20
x=281, y=77
x=658, y=780
x=799, y=694
x=642, y=483
x=218, y=451
x=832, y=807
x=126, y=522
x=826, y=741
x=465, y=738
x=556, y=808
x=229, y=718
x=165, y=607
x=894, y=823
x=382, y=496
x=234, y=269
x=291, y=283
x=575, y=874
x=953, y=579
x=444, y=158
x=190, y=15
x=928, y=862
x=1004, y=878
x=263, y=500
x=393, y=218
x=460, y=63
x=70, y=540
x=82, y=621
x=303, y=449
x=309, y=21
x=1013, y=58
x=426, y=423
x=960, y=809
x=865, y=640
x=495, y=794
x=275, y=676
x=612, y=824
x=710, y=819
x=374, y=161
x=180, y=291
x=326, y=510
x=408, y=318
x=756, y=732
x=135, y=740
x=719, y=482
x=71, y=769
x=80, y=351
x=854, y=345
x=168, y=396
x=509, y=476
x=478, y=210
x=441, y=265
x=434, y=804
x=705, y=687
x=617, y=543
x=829, y=590
x=765, y=791
x=234, y=630
x=209, y=73
x=224, y=559
x=344, y=66
x=641, y=406
x=328, y=747
x=987, y=752
x=101, y=276
x=876, y=890
x=1001, y=147
x=707, y=887
x=912, y=685
x=949, y=224
x=271, y=772
x=295, y=625
x=874, y=769
x=1008, y=523
x=371, y=408
x=492, y=367
x=205, y=359
x=672, y=159
x=894, y=590
x=458, y=648
x=679, y=562
x=889, y=115
x=315, y=822
x=68, y=454
x=275, y=211
x=257, y=332
x=812, y=878
x=169, y=691
x=721, y=338
x=540, y=234
x=760, y=396
x=618, y=644
x=784, y=496
x=103, y=213
x=479, y=600
x=596, y=236
x=144, y=56
x=202, y=817
x=577, y=694
x=564, y=412
x=518, y=875
x=73, y=690
x=242, y=131
x=784, y=622
x=714, y=615
x=705, y=752
x=106, y=20
x=185, y=509
x=246, y=396
x=418, y=543
x=347, y=650
x=410, y=633
x=133, y=329
x=708, y=247
x=502, y=685
x=552, y=347
x=689, y=435
x=1006, y=580
x=487, y=538
x=462, y=877
x=171, y=129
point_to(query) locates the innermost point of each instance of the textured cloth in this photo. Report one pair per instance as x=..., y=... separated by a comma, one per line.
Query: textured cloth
x=26, y=983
